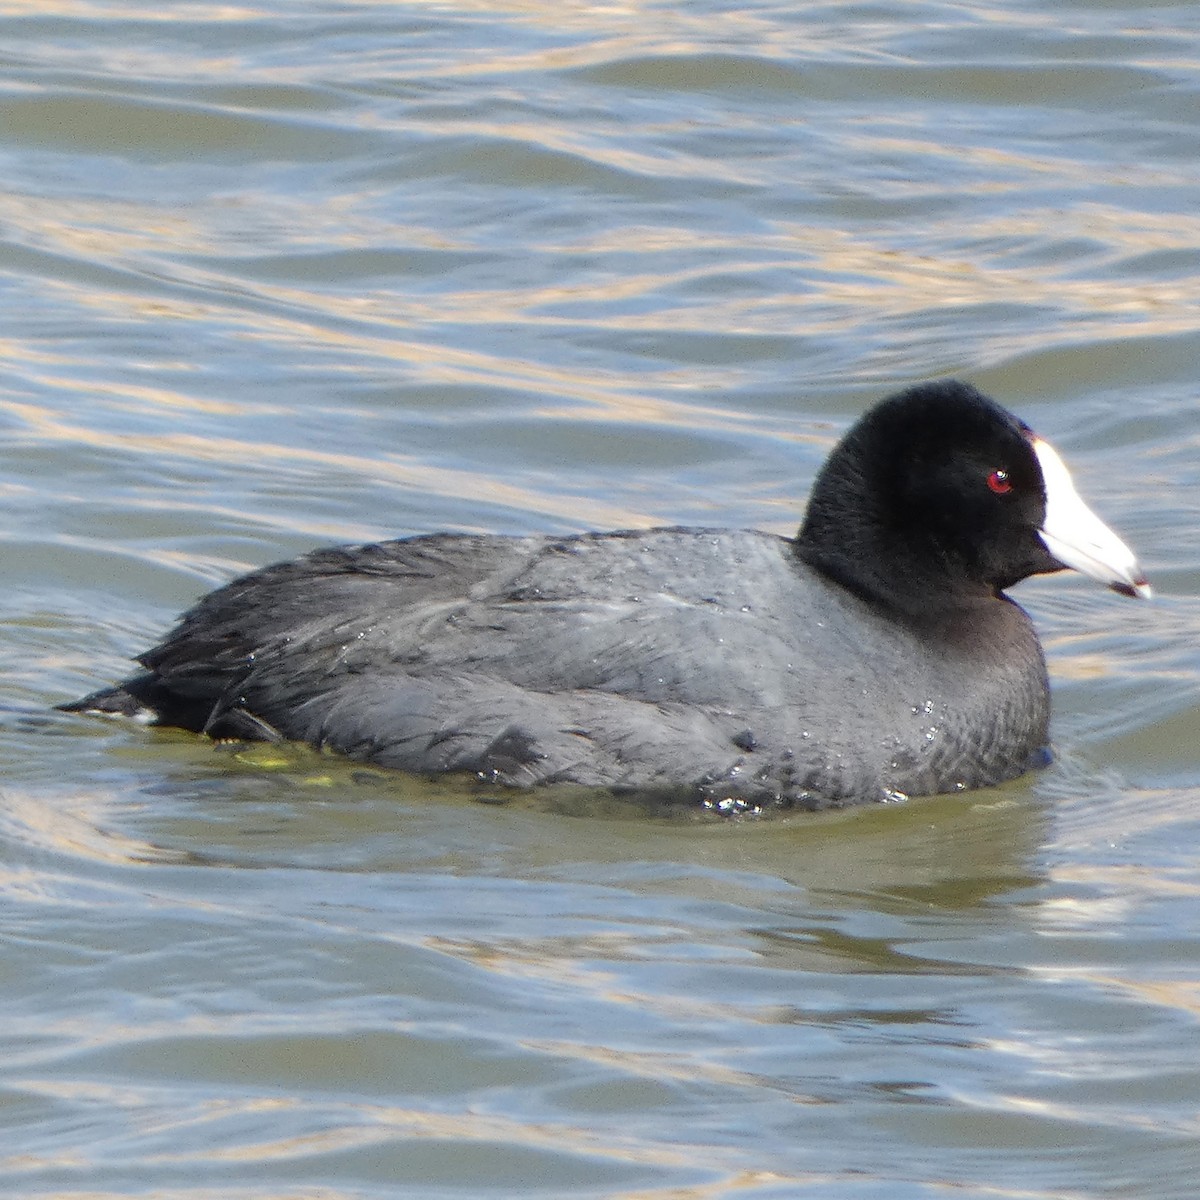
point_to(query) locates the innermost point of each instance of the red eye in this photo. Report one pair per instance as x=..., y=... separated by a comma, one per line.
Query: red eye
x=999, y=482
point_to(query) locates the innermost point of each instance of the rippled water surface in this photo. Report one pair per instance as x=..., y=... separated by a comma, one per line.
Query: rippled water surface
x=278, y=276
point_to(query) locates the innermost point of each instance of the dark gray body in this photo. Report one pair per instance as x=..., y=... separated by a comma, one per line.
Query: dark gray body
x=706, y=664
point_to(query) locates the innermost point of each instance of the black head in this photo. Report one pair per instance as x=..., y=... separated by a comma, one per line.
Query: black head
x=935, y=496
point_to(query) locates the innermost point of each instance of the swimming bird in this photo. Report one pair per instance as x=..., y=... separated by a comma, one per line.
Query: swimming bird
x=875, y=655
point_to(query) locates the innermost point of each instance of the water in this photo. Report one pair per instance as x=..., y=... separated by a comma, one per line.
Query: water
x=278, y=276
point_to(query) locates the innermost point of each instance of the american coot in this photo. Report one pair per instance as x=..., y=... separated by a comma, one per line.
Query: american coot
x=873, y=656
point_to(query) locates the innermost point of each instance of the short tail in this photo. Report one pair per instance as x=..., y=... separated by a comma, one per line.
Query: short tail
x=114, y=701
x=147, y=700
x=142, y=698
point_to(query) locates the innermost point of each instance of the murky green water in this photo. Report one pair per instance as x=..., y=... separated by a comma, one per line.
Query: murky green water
x=279, y=276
